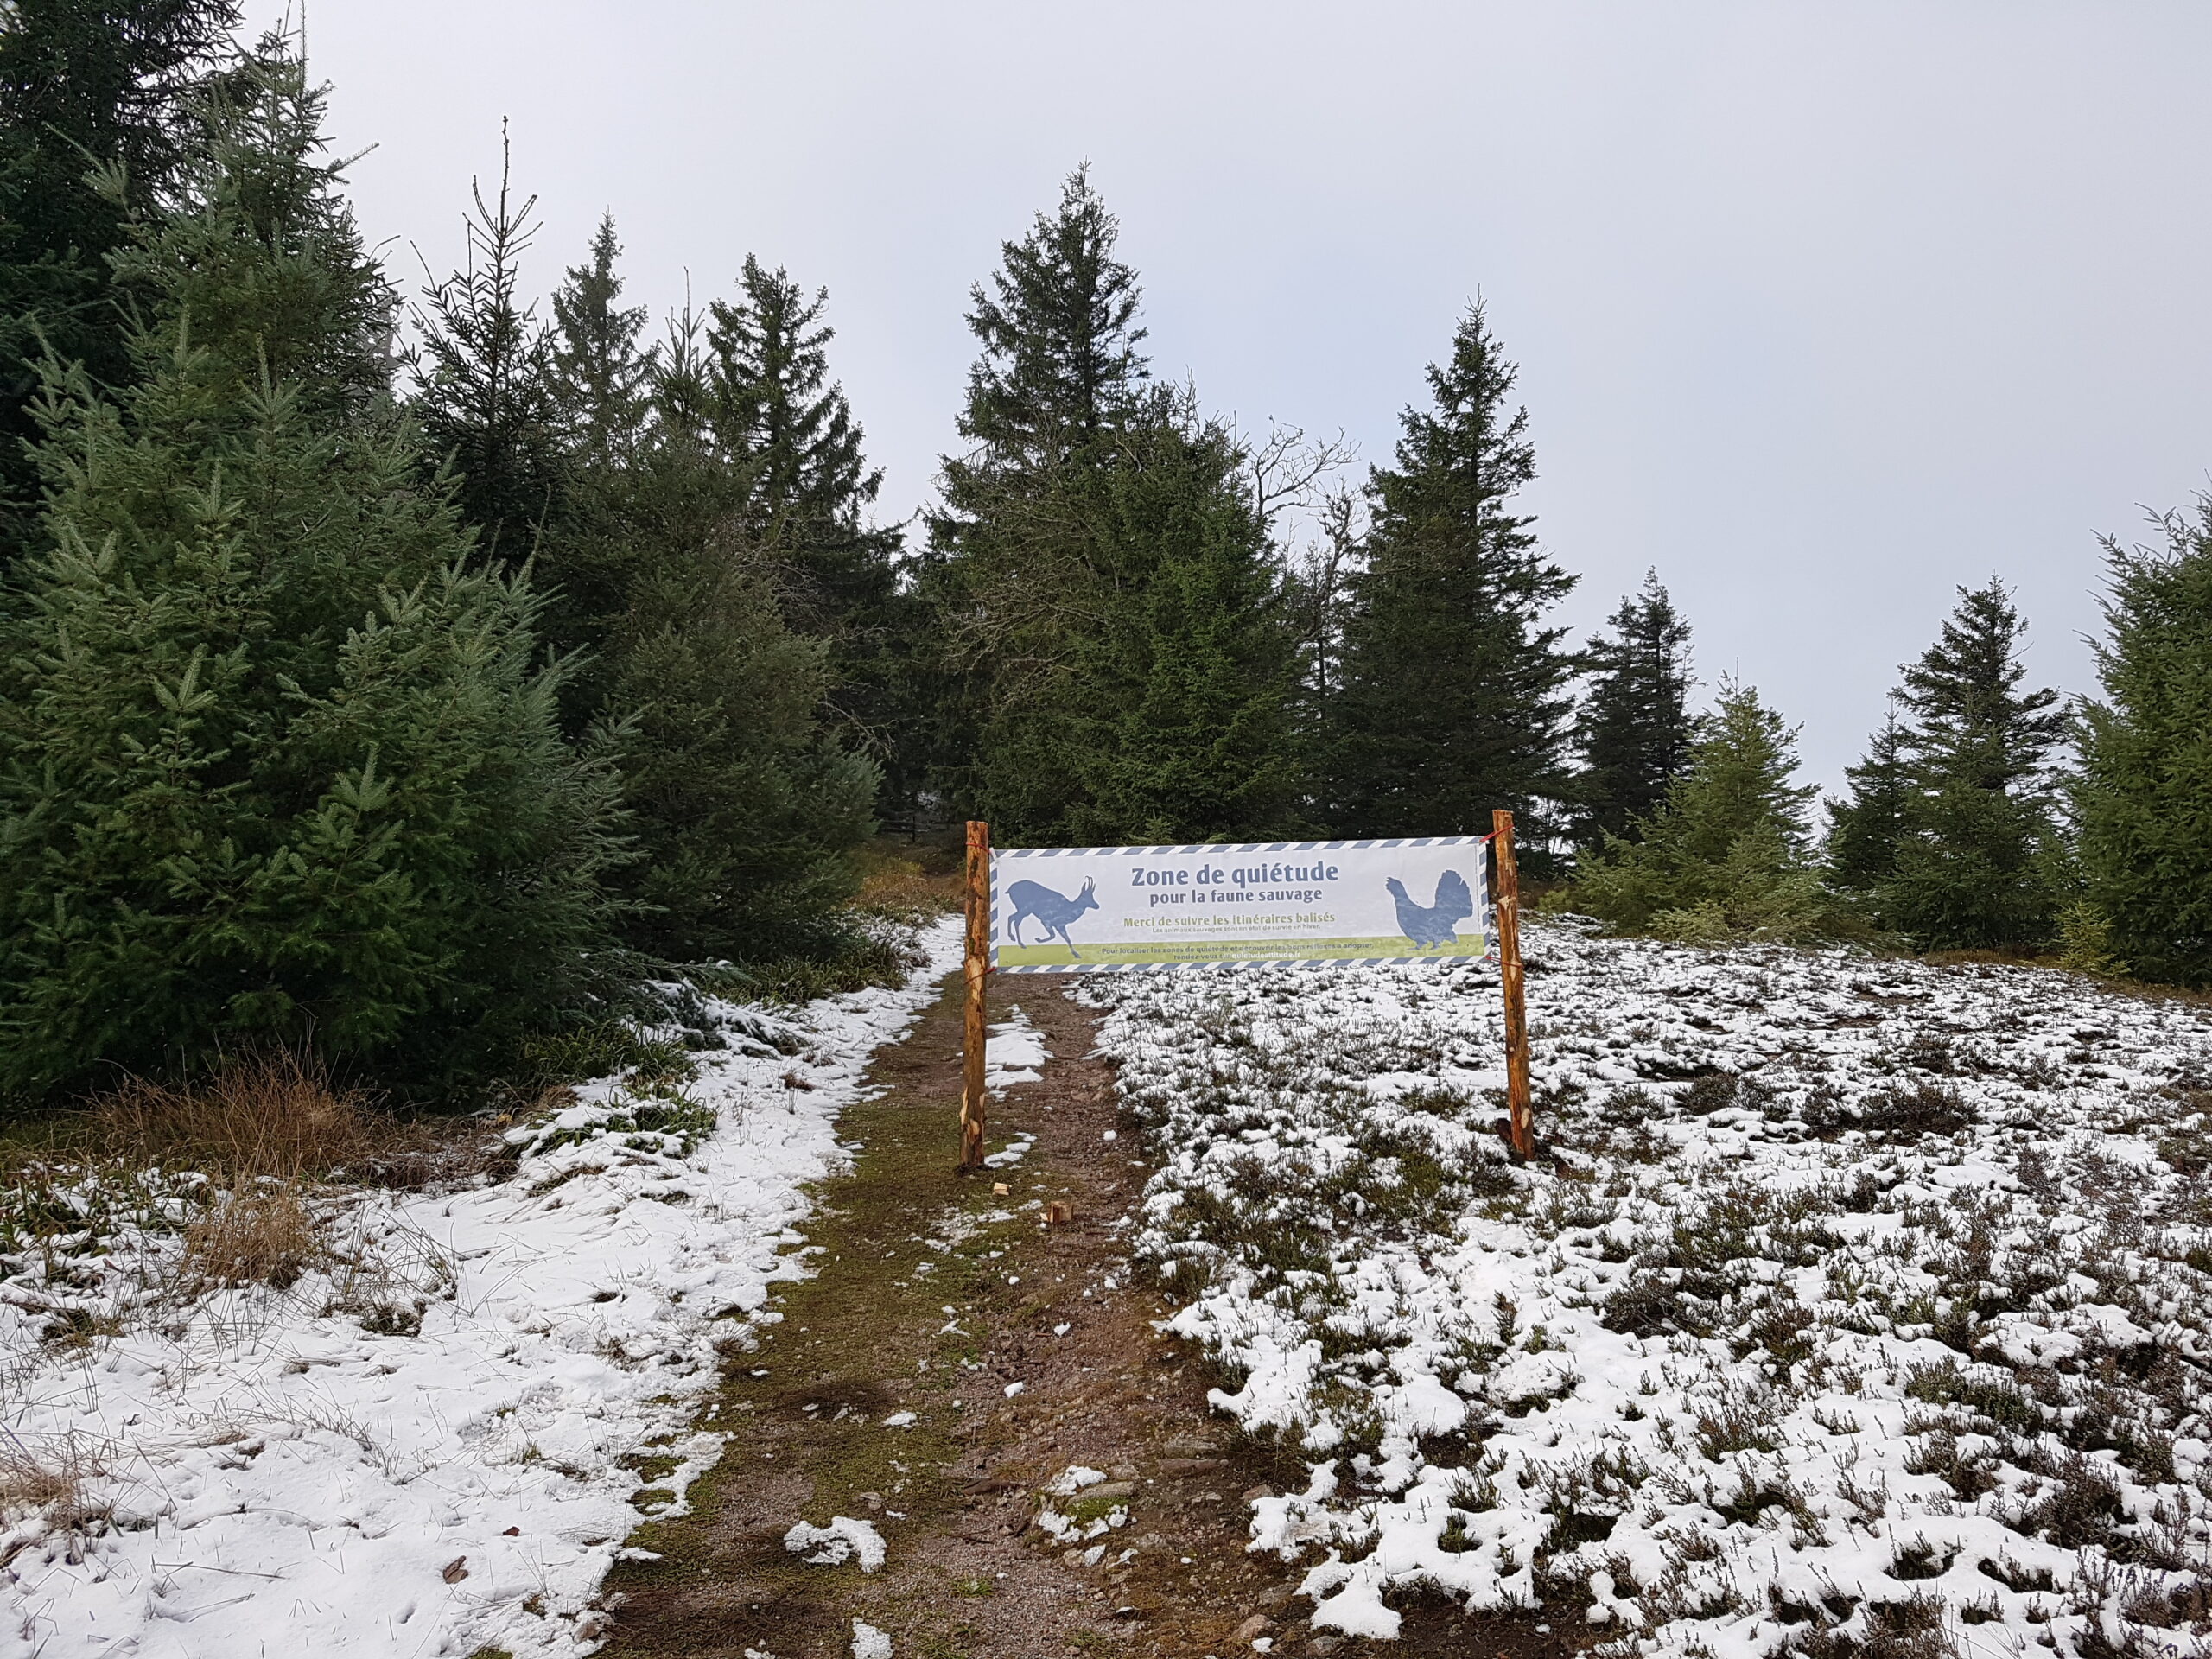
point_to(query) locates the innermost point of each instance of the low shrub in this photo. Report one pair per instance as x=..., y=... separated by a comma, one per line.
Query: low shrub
x=1895, y=1113
x=871, y=957
x=602, y=1049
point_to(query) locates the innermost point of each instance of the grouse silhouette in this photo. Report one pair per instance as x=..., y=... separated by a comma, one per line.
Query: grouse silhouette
x=1427, y=925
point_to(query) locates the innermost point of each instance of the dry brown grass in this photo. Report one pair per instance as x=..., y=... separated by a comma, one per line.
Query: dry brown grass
x=27, y=1483
x=274, y=1115
x=893, y=884
x=51, y=1480
x=268, y=1115
x=263, y=1235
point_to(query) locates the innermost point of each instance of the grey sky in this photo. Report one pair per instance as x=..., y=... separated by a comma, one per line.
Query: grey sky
x=1820, y=310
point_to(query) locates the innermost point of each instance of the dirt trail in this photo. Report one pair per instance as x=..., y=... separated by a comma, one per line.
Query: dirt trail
x=1020, y=1349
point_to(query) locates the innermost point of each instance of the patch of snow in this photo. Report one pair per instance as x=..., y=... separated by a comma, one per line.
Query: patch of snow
x=843, y=1540
x=1848, y=1291
x=1073, y=1479
x=1066, y=1529
x=868, y=1643
x=428, y=1432
x=1014, y=1052
x=900, y=1419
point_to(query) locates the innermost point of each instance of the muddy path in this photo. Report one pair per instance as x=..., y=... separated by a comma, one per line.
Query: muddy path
x=1020, y=1349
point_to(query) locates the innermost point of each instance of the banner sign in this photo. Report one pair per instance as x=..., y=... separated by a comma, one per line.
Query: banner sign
x=1089, y=910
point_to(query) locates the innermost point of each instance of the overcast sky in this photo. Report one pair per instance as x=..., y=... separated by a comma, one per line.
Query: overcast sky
x=1820, y=310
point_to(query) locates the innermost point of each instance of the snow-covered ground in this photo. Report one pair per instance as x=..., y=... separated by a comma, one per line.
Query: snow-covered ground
x=434, y=1441
x=1857, y=1304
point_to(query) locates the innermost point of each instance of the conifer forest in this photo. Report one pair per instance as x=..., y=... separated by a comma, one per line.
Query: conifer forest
x=471, y=737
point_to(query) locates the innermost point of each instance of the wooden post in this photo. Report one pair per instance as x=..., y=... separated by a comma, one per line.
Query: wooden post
x=976, y=967
x=1520, y=1113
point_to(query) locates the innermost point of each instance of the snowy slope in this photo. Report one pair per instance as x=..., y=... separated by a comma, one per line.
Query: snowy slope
x=264, y=1474
x=1865, y=1302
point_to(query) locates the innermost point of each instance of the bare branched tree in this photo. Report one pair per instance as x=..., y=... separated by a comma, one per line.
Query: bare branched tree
x=1290, y=472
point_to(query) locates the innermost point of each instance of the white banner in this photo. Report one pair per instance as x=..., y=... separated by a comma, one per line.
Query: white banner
x=1101, y=909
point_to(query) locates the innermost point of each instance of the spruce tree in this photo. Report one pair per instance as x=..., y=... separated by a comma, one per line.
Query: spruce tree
x=278, y=754
x=1119, y=665
x=790, y=431
x=486, y=394
x=94, y=125
x=1059, y=369
x=1865, y=830
x=1948, y=834
x=1451, y=697
x=602, y=377
x=745, y=806
x=1165, y=714
x=1972, y=870
x=2142, y=796
x=1725, y=858
x=605, y=384
x=787, y=428
x=1633, y=728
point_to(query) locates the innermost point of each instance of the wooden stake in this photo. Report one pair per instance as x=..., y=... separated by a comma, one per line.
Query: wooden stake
x=977, y=966
x=1521, y=1116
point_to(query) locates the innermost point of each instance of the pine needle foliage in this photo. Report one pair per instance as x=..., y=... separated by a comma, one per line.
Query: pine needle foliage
x=279, y=759
x=1140, y=669
x=1726, y=858
x=2142, y=796
x=607, y=385
x=1453, y=690
x=1059, y=368
x=789, y=428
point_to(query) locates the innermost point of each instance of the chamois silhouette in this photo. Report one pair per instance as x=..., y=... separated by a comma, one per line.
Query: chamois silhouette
x=1427, y=925
x=1055, y=910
